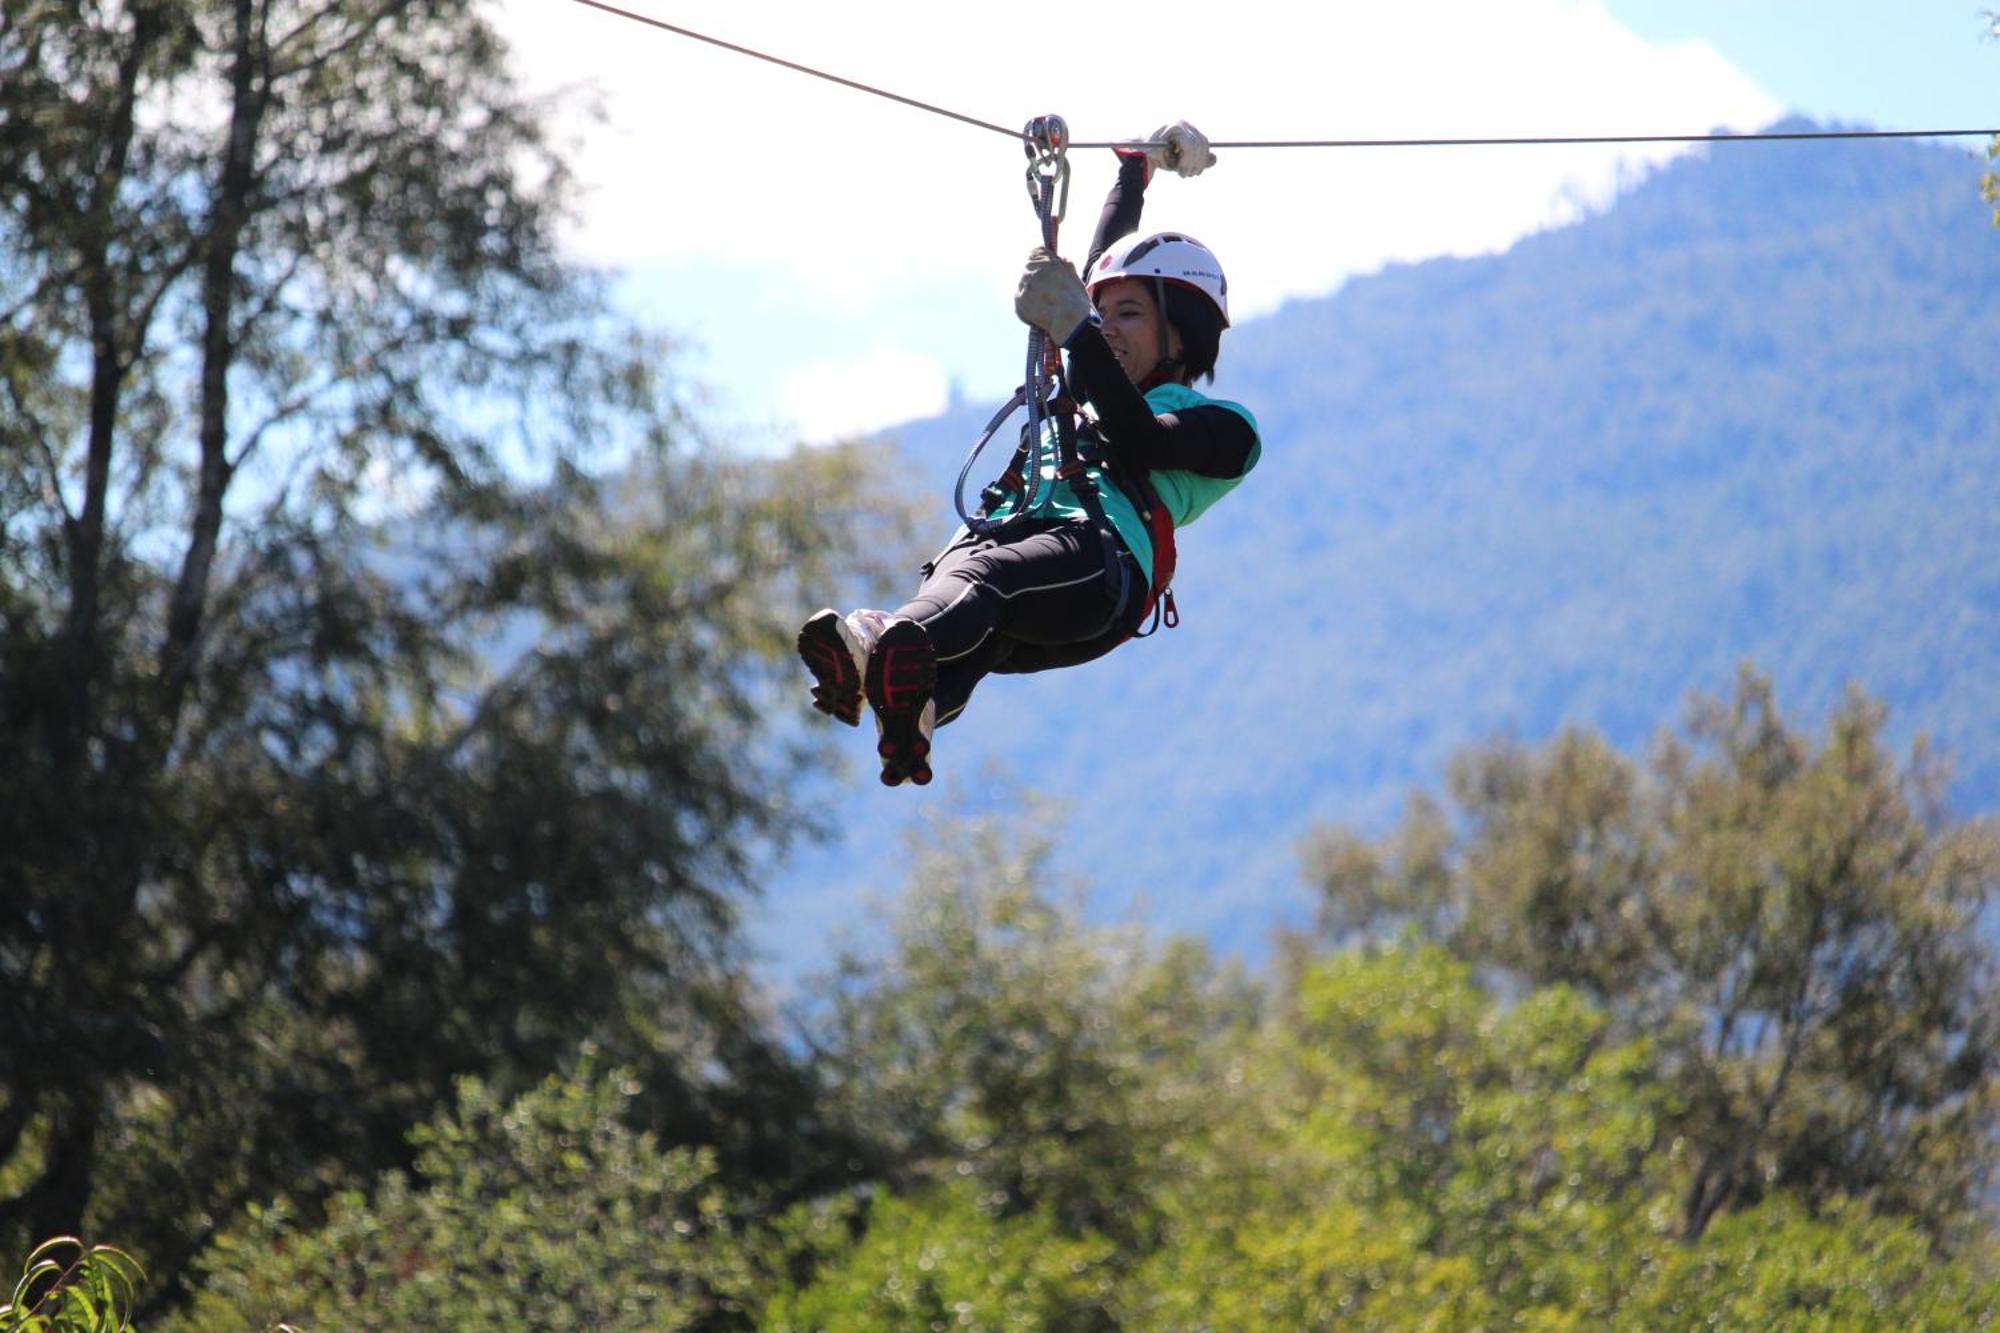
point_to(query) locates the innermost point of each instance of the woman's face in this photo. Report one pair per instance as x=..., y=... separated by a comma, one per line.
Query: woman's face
x=1132, y=326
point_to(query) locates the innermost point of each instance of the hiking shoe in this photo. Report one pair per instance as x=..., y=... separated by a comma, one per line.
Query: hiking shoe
x=900, y=675
x=835, y=649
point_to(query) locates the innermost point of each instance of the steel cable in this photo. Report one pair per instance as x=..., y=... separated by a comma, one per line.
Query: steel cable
x=1465, y=141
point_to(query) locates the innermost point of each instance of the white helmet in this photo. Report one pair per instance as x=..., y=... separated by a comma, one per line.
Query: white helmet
x=1169, y=256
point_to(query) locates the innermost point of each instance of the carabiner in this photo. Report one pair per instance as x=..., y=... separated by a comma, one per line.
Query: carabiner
x=1046, y=142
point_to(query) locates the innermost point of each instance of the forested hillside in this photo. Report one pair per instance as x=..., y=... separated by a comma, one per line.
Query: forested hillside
x=1747, y=413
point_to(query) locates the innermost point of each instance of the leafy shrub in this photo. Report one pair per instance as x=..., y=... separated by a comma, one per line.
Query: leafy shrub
x=91, y=1292
x=546, y=1212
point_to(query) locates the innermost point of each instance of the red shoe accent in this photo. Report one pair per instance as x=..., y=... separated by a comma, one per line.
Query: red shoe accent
x=837, y=691
x=901, y=675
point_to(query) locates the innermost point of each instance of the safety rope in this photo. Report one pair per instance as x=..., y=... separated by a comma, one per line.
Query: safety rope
x=1050, y=453
x=1469, y=141
x=1046, y=139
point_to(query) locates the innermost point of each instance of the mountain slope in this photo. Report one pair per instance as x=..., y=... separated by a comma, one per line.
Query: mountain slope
x=1748, y=413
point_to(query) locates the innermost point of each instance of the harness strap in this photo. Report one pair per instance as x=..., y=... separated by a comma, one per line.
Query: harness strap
x=1076, y=454
x=1159, y=522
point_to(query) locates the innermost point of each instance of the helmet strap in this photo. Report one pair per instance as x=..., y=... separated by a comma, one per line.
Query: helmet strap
x=1166, y=367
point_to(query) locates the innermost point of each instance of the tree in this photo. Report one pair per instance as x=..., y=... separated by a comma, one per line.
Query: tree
x=1396, y=1148
x=1090, y=1130
x=1783, y=1266
x=548, y=1211
x=943, y=1259
x=359, y=730
x=1059, y=1068
x=1419, y=1153
x=1421, y=1156
x=1798, y=926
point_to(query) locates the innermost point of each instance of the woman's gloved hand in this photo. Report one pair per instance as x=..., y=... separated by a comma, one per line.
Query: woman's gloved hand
x=1181, y=149
x=1051, y=297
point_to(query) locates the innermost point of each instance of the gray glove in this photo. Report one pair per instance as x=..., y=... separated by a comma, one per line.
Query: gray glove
x=1181, y=149
x=1051, y=296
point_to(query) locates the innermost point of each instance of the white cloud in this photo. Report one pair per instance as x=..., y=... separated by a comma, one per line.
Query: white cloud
x=711, y=156
x=832, y=400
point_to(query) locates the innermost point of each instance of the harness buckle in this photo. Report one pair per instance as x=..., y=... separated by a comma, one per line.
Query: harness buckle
x=1078, y=477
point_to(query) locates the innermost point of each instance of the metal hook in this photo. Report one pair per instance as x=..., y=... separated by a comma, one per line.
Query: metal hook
x=1046, y=142
x=1051, y=175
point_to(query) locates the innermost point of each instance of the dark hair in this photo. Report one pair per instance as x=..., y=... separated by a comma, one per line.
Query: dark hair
x=1200, y=325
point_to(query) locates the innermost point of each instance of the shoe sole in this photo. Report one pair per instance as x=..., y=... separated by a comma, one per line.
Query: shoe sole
x=837, y=691
x=901, y=676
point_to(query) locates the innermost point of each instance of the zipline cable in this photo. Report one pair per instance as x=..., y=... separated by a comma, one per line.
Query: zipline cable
x=1505, y=141
x=1508, y=142
x=802, y=69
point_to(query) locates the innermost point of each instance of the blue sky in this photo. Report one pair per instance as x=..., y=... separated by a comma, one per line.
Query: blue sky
x=835, y=263
x=1898, y=64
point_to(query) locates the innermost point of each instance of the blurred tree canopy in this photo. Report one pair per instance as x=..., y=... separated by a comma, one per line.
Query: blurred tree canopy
x=1796, y=926
x=383, y=653
x=1081, y=1126
x=548, y=1211
x=1054, y=1068
x=1475, y=1100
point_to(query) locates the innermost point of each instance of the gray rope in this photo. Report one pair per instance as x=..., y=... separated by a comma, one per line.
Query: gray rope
x=1721, y=136
x=801, y=69
x=1455, y=142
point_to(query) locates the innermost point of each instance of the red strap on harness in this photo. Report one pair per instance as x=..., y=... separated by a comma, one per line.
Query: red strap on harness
x=1161, y=528
x=1160, y=595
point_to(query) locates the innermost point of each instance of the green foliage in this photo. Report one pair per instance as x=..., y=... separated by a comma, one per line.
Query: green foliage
x=943, y=1259
x=1782, y=1267
x=1078, y=1127
x=1407, y=1152
x=1797, y=926
x=1466, y=1118
x=1058, y=1069
x=385, y=655
x=70, y=1287
x=544, y=1212
x=1430, y=1159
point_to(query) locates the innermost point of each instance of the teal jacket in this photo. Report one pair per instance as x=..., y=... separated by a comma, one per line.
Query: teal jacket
x=1186, y=495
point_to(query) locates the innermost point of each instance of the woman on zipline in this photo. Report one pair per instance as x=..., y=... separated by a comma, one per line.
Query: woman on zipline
x=1077, y=571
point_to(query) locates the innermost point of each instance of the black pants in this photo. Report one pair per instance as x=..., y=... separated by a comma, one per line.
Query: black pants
x=1041, y=594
